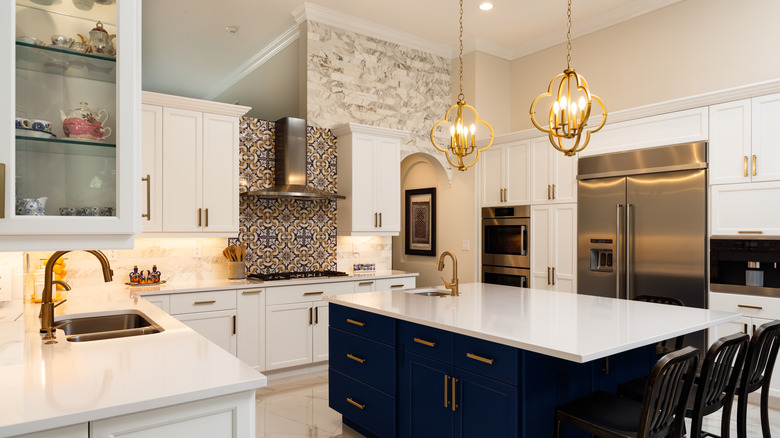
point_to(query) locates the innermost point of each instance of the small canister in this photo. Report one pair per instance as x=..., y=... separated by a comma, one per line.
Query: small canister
x=236, y=270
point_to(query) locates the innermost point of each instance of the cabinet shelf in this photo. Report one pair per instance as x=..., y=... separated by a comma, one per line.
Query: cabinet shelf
x=65, y=146
x=65, y=62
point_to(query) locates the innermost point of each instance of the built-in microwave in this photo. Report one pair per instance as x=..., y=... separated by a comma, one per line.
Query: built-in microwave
x=505, y=243
x=745, y=266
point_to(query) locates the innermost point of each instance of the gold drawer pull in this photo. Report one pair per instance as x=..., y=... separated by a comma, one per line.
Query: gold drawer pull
x=394, y=286
x=204, y=302
x=424, y=342
x=355, y=358
x=479, y=358
x=251, y=292
x=745, y=306
x=365, y=283
x=319, y=292
x=745, y=166
x=750, y=232
x=358, y=323
x=754, y=165
x=353, y=402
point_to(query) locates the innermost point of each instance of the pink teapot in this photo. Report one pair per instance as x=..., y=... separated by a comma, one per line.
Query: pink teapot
x=83, y=123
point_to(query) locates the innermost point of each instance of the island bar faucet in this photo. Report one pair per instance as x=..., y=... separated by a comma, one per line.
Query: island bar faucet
x=47, y=302
x=453, y=284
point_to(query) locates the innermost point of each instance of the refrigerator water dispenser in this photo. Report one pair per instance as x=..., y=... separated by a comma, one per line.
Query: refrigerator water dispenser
x=601, y=260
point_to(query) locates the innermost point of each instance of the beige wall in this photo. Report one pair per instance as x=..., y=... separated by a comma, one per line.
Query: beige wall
x=689, y=48
x=493, y=100
x=454, y=220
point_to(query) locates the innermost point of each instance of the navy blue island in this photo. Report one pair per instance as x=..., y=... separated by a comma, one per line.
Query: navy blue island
x=494, y=361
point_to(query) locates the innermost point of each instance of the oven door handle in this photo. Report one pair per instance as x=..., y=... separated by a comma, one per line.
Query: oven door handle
x=523, y=240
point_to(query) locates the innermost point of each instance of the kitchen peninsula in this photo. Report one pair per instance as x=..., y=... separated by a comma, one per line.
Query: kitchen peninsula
x=494, y=361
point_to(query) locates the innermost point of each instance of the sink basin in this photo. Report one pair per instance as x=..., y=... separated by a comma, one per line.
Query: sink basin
x=109, y=325
x=429, y=292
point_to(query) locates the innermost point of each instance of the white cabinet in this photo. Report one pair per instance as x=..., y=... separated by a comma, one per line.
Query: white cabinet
x=743, y=141
x=192, y=157
x=505, y=174
x=380, y=284
x=553, y=175
x=225, y=416
x=554, y=247
x=369, y=169
x=72, y=174
x=755, y=311
x=250, y=327
x=76, y=431
x=161, y=301
x=297, y=323
x=745, y=209
x=211, y=314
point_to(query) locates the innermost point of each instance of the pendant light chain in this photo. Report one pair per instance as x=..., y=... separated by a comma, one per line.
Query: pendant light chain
x=568, y=39
x=460, y=56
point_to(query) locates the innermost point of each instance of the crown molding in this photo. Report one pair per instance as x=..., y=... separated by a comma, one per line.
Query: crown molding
x=319, y=14
x=356, y=128
x=260, y=58
x=225, y=109
x=486, y=46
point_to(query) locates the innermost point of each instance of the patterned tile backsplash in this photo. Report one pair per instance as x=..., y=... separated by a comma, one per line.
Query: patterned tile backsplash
x=286, y=234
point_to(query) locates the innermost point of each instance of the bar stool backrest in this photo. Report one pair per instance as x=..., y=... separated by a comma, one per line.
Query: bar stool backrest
x=666, y=394
x=761, y=357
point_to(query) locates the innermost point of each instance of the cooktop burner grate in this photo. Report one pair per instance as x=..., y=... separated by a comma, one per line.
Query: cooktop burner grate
x=296, y=274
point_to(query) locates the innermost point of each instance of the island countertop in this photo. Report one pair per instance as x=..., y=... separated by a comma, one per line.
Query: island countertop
x=579, y=328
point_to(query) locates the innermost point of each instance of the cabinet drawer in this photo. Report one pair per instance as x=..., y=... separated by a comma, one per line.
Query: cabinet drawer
x=306, y=292
x=369, y=325
x=366, y=406
x=500, y=362
x=395, y=283
x=749, y=305
x=426, y=341
x=202, y=301
x=363, y=359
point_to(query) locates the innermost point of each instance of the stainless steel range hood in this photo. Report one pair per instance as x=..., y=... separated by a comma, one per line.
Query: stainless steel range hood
x=290, y=175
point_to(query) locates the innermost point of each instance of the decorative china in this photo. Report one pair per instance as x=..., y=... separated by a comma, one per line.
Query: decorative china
x=30, y=40
x=100, y=42
x=33, y=127
x=31, y=207
x=61, y=41
x=83, y=123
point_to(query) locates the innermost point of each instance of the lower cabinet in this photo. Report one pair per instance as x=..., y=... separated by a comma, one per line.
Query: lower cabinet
x=371, y=285
x=211, y=314
x=76, y=431
x=250, y=327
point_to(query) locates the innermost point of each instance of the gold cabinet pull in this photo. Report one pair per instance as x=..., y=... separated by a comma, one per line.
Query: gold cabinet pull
x=380, y=220
x=234, y=324
x=395, y=286
x=745, y=166
x=453, y=404
x=377, y=215
x=548, y=191
x=319, y=292
x=197, y=303
x=745, y=306
x=553, y=191
x=446, y=389
x=310, y=316
x=750, y=232
x=356, y=359
x=354, y=403
x=548, y=275
x=424, y=342
x=148, y=214
x=2, y=190
x=754, y=165
x=365, y=283
x=207, y=217
x=251, y=292
x=553, y=276
x=357, y=323
x=479, y=358
x=200, y=211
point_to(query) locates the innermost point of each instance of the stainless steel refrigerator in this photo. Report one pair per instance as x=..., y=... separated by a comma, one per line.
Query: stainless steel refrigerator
x=642, y=224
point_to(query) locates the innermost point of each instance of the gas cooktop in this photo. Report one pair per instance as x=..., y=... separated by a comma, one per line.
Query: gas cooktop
x=296, y=274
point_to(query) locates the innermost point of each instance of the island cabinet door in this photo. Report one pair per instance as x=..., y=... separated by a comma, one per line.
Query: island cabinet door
x=483, y=406
x=425, y=402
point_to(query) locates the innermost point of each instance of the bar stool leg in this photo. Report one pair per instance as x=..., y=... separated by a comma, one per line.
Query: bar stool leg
x=765, y=410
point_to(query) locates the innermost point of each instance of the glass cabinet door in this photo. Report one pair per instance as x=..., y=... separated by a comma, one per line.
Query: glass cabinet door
x=72, y=168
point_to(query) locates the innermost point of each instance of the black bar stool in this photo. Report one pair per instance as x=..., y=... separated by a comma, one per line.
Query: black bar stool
x=661, y=413
x=757, y=374
x=664, y=347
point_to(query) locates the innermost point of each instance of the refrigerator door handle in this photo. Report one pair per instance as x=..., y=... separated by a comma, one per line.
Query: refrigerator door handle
x=628, y=251
x=617, y=252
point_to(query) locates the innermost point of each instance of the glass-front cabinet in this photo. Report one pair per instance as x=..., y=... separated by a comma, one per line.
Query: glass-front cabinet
x=71, y=159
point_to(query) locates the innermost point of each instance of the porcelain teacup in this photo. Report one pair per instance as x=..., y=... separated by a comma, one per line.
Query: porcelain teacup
x=30, y=40
x=31, y=207
x=41, y=125
x=23, y=123
x=61, y=41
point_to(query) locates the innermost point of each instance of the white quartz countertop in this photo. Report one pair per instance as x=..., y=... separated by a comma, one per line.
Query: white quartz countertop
x=48, y=386
x=580, y=328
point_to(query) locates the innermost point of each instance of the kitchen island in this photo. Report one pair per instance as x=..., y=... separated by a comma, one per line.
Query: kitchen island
x=494, y=361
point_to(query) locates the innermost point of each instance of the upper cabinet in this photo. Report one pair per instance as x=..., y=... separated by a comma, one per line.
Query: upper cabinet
x=189, y=182
x=742, y=137
x=369, y=170
x=71, y=157
x=504, y=174
x=553, y=175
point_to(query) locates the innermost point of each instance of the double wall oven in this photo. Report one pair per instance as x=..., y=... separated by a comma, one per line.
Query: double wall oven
x=505, y=234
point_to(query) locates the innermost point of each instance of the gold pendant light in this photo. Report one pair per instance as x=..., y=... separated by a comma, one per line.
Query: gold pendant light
x=570, y=111
x=462, y=143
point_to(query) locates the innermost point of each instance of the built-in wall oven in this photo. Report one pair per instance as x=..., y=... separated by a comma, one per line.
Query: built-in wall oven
x=505, y=256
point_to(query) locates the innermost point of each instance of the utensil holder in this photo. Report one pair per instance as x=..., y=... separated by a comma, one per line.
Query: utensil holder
x=236, y=270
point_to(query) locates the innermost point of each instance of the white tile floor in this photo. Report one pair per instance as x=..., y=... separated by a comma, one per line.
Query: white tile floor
x=297, y=407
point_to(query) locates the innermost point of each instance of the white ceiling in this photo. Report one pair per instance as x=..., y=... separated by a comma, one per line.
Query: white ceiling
x=187, y=51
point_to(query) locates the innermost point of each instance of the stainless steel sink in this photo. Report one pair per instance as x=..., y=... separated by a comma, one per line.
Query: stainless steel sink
x=429, y=292
x=108, y=325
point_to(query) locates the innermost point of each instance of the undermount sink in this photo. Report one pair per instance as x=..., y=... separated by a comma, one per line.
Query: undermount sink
x=108, y=325
x=429, y=292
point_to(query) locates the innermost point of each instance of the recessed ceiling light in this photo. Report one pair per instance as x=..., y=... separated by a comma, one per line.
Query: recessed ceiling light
x=486, y=6
x=232, y=29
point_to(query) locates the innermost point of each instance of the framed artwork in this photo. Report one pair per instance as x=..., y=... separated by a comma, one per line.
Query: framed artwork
x=421, y=222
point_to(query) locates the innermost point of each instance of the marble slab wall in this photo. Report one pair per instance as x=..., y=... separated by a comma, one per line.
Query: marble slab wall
x=286, y=234
x=356, y=78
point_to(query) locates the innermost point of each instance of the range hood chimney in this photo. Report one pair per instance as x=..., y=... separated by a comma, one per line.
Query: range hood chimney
x=290, y=174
